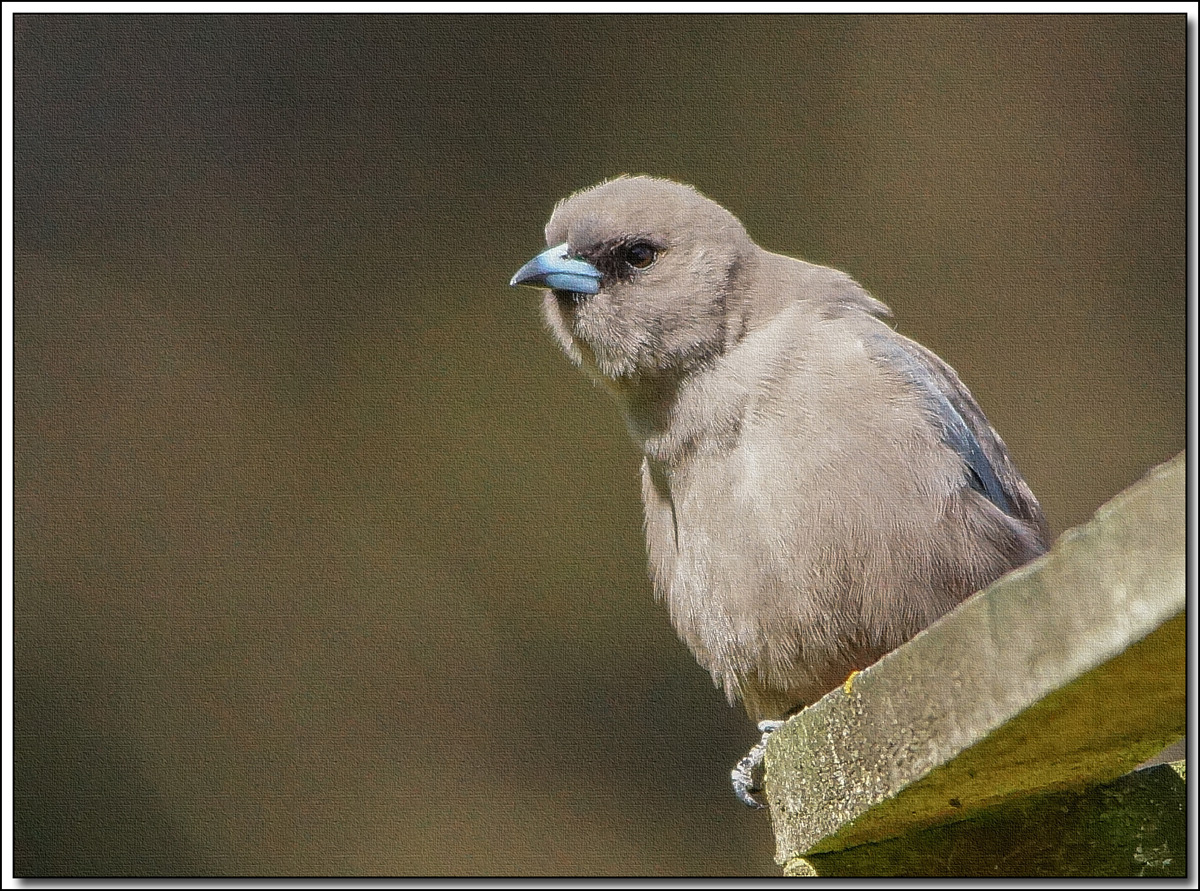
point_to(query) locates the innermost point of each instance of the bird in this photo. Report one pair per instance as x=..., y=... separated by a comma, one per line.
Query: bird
x=817, y=487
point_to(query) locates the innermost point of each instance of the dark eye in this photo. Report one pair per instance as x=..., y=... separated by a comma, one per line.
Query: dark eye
x=640, y=255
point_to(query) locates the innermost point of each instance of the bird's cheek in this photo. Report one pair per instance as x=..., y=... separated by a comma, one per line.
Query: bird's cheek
x=606, y=339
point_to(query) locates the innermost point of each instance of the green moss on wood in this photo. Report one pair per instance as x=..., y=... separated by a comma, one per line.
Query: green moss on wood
x=1133, y=826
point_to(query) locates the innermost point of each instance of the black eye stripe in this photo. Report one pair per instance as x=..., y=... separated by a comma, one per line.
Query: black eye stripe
x=622, y=258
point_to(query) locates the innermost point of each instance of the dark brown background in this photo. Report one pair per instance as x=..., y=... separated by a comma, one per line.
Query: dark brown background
x=326, y=561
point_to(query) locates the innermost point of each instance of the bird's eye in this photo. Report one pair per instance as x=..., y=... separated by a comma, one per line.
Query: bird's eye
x=640, y=255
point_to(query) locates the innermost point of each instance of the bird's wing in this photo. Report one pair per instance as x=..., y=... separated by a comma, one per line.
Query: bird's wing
x=990, y=470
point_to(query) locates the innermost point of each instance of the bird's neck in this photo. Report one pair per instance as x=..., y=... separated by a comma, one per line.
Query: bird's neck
x=673, y=415
x=676, y=412
x=647, y=401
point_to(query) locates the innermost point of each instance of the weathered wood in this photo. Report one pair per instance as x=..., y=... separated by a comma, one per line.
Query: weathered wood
x=1134, y=826
x=1058, y=678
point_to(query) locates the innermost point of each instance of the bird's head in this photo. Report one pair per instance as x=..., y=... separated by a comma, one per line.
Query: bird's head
x=641, y=273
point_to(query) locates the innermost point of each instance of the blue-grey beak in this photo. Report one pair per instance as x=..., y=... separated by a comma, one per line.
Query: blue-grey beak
x=555, y=268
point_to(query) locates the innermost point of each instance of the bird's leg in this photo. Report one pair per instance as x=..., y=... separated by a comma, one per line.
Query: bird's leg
x=744, y=784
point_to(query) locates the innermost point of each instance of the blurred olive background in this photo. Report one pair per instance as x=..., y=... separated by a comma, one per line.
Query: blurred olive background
x=327, y=561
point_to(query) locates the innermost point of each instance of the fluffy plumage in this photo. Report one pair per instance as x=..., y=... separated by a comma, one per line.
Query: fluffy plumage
x=817, y=487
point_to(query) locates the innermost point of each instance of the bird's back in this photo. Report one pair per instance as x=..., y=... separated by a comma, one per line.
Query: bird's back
x=835, y=515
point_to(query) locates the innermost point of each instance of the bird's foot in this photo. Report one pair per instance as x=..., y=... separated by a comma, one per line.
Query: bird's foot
x=744, y=783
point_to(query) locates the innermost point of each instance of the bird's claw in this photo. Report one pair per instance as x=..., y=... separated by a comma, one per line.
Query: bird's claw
x=742, y=776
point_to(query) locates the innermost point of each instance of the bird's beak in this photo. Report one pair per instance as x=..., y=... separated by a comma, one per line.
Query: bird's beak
x=555, y=268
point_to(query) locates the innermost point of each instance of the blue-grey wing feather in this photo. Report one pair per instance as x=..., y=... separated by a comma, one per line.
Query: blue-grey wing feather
x=989, y=469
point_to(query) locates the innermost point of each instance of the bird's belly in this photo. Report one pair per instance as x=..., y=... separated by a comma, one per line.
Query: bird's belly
x=769, y=586
x=740, y=584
